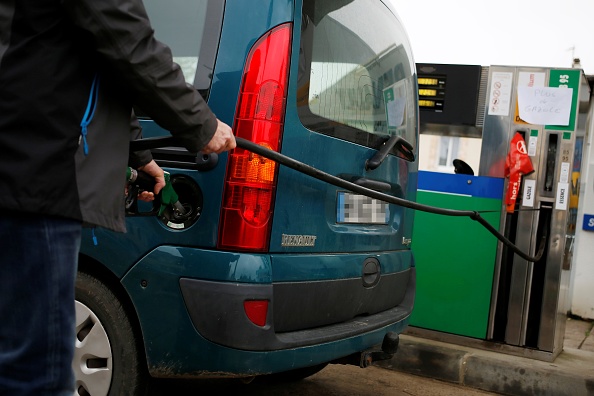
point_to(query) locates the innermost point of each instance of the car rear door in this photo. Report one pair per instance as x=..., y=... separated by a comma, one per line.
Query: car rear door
x=352, y=86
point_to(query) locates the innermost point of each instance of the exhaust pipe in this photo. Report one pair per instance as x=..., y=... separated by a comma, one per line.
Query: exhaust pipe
x=367, y=358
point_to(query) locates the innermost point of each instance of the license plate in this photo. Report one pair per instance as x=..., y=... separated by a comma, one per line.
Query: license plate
x=360, y=209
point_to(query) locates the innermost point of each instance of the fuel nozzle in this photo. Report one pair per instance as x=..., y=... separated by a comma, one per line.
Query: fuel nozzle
x=170, y=197
x=139, y=181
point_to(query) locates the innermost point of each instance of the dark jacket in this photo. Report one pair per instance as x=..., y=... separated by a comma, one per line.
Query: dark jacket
x=50, y=52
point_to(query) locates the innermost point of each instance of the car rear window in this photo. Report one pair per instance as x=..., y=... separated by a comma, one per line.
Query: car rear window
x=356, y=72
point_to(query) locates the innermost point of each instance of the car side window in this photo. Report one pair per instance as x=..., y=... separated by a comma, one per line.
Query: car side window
x=192, y=30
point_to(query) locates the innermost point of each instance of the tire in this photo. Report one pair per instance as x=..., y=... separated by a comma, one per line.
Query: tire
x=106, y=357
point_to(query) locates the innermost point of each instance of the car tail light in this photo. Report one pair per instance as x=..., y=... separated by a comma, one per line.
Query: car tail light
x=256, y=311
x=250, y=182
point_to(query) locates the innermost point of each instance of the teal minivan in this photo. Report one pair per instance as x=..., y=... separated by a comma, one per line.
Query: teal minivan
x=268, y=270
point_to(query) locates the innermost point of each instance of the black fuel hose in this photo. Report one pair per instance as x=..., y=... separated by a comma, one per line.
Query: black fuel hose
x=162, y=141
x=336, y=181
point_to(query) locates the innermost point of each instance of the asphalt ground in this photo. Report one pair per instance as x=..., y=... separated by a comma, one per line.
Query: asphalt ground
x=571, y=373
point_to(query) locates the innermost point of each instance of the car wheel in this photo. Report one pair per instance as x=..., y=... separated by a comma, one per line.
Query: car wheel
x=106, y=356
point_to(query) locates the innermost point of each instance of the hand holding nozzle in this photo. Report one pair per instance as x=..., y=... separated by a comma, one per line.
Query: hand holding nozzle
x=139, y=181
x=155, y=171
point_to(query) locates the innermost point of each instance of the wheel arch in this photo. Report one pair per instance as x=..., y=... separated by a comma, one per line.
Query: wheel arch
x=96, y=269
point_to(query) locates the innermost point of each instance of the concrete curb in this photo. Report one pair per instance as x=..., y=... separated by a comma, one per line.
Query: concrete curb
x=571, y=374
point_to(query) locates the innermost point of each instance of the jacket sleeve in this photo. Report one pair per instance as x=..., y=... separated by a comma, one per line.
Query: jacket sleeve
x=125, y=41
x=137, y=159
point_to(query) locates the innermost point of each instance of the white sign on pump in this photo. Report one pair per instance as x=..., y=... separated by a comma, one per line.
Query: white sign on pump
x=545, y=105
x=500, y=95
x=529, y=192
x=562, y=196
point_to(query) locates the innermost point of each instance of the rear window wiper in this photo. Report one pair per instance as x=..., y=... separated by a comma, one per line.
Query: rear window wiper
x=402, y=146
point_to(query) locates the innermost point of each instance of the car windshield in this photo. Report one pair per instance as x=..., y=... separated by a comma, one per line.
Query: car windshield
x=356, y=72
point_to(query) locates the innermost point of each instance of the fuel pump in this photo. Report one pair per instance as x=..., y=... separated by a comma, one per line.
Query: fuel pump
x=529, y=299
x=526, y=121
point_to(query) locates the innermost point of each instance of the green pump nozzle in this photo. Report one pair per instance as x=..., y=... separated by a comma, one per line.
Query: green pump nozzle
x=140, y=181
x=169, y=197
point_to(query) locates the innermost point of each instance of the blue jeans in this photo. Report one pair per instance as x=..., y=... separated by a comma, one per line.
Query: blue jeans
x=38, y=261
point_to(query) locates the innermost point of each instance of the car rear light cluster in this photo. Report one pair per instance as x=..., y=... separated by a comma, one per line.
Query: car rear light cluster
x=250, y=181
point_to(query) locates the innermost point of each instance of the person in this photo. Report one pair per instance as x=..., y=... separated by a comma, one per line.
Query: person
x=143, y=161
x=70, y=72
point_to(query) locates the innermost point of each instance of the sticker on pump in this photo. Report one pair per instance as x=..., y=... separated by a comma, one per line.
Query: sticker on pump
x=532, y=143
x=529, y=191
x=528, y=79
x=564, y=176
x=500, y=94
x=562, y=196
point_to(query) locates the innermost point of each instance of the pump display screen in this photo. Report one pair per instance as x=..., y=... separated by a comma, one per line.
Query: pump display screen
x=450, y=94
x=427, y=81
x=431, y=93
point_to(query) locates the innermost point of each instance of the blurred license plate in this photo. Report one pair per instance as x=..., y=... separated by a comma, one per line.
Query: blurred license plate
x=360, y=209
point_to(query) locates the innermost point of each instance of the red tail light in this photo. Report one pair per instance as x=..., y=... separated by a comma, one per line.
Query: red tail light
x=250, y=182
x=256, y=311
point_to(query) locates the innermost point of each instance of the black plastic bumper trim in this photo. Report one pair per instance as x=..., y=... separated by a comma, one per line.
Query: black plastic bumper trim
x=216, y=310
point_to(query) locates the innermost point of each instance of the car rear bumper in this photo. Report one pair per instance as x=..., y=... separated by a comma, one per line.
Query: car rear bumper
x=216, y=311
